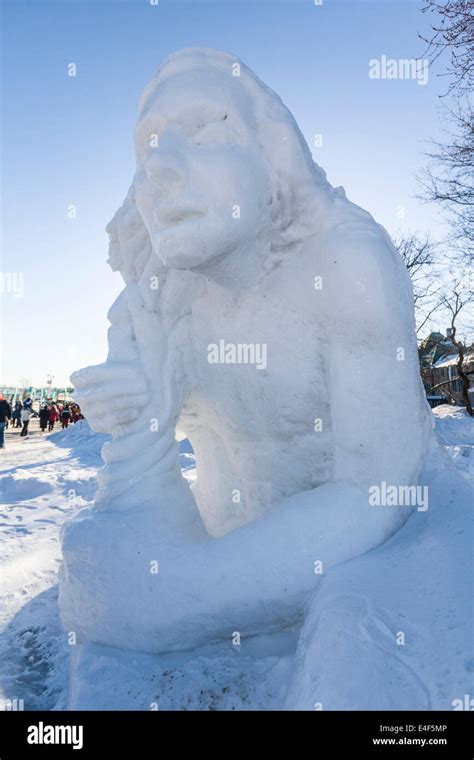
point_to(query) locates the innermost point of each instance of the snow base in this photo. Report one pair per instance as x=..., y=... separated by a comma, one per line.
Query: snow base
x=250, y=676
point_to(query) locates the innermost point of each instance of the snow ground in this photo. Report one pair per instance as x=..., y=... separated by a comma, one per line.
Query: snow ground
x=46, y=479
x=455, y=431
x=44, y=482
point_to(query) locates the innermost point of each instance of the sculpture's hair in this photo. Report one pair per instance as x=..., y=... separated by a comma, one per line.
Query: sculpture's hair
x=298, y=184
x=130, y=246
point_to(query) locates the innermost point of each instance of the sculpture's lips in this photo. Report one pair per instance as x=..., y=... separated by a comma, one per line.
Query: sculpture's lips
x=174, y=216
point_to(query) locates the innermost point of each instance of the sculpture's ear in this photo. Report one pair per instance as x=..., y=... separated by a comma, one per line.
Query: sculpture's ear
x=291, y=157
x=288, y=166
x=296, y=175
x=130, y=246
x=284, y=142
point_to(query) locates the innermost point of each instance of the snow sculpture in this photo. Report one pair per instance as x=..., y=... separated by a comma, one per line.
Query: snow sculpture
x=268, y=319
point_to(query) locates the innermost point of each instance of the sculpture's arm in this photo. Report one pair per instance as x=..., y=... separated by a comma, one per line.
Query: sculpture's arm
x=259, y=576
x=252, y=580
x=379, y=415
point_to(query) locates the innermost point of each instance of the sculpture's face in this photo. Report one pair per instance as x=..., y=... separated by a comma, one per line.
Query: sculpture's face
x=203, y=186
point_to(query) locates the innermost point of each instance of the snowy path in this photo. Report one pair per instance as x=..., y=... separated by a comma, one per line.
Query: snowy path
x=42, y=484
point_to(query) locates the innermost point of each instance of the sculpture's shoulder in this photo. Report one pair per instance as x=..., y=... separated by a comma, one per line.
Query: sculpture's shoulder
x=353, y=239
x=364, y=281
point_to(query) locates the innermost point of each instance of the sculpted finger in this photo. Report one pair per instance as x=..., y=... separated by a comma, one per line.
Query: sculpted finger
x=108, y=422
x=113, y=373
x=88, y=375
x=106, y=392
x=120, y=407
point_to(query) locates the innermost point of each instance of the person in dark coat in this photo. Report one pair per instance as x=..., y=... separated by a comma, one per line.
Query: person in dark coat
x=65, y=416
x=17, y=414
x=44, y=417
x=5, y=414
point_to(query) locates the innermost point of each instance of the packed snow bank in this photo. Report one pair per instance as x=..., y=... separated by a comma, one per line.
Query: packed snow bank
x=252, y=675
x=82, y=439
x=454, y=430
x=42, y=486
x=398, y=621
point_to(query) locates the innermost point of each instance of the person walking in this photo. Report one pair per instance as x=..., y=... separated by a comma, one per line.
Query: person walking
x=53, y=416
x=25, y=418
x=76, y=413
x=17, y=414
x=65, y=416
x=44, y=417
x=5, y=415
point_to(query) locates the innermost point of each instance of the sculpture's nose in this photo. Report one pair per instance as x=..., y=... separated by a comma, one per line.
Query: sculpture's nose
x=162, y=170
x=165, y=166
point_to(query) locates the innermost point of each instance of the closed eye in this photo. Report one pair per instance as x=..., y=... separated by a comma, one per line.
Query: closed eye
x=210, y=123
x=201, y=129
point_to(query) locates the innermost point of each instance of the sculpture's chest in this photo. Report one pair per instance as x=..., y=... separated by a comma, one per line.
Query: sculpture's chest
x=260, y=357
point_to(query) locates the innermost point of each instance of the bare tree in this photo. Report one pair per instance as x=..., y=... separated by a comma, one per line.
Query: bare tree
x=448, y=180
x=452, y=32
x=455, y=303
x=420, y=256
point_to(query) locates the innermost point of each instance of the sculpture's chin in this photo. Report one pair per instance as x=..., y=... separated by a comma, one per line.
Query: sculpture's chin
x=174, y=258
x=193, y=243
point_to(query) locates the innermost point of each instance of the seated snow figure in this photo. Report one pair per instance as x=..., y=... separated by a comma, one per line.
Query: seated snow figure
x=269, y=320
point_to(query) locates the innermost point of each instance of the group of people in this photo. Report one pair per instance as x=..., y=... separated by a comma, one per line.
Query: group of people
x=22, y=411
x=49, y=414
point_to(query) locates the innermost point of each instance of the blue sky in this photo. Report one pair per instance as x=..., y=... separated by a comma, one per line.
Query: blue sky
x=68, y=140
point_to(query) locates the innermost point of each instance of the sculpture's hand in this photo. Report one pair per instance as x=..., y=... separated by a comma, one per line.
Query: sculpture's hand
x=110, y=394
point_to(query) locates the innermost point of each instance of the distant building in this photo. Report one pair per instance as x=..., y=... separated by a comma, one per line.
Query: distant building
x=438, y=359
x=38, y=394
